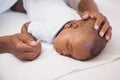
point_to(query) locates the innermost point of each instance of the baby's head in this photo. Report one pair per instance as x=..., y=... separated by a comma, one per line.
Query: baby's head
x=79, y=40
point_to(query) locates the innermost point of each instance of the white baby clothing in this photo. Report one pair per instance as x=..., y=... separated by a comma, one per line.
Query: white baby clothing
x=6, y=4
x=48, y=17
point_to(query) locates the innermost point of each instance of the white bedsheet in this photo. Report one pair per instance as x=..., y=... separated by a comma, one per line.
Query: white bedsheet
x=50, y=65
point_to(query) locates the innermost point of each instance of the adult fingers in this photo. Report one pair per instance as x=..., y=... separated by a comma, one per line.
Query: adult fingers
x=25, y=38
x=99, y=20
x=25, y=27
x=108, y=34
x=31, y=55
x=84, y=15
x=24, y=47
x=104, y=29
x=18, y=41
x=34, y=43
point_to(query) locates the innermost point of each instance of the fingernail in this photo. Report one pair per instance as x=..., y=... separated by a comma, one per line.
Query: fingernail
x=101, y=34
x=85, y=16
x=33, y=43
x=96, y=27
x=107, y=37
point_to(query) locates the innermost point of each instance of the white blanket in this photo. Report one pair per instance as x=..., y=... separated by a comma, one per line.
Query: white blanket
x=50, y=65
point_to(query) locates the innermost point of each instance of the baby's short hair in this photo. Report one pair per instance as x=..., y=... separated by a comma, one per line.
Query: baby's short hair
x=98, y=42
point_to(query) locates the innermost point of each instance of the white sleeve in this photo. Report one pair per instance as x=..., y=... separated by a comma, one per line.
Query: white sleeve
x=6, y=4
x=73, y=3
x=36, y=29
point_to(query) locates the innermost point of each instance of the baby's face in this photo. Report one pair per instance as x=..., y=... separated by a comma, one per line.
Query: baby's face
x=72, y=43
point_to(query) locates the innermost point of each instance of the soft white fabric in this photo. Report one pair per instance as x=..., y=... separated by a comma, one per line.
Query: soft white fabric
x=52, y=66
x=6, y=4
x=48, y=17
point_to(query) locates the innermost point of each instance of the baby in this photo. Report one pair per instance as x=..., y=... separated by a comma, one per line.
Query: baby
x=77, y=39
x=52, y=21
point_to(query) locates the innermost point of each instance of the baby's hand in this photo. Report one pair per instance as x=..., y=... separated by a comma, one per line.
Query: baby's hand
x=105, y=30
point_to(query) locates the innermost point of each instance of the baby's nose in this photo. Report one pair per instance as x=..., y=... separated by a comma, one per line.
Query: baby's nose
x=65, y=52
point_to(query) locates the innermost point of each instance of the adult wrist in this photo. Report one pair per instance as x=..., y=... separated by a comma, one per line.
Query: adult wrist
x=5, y=44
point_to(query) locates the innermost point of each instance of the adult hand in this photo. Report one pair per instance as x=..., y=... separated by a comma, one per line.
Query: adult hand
x=101, y=20
x=24, y=47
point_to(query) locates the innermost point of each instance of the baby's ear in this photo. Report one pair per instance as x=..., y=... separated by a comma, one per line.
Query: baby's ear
x=71, y=25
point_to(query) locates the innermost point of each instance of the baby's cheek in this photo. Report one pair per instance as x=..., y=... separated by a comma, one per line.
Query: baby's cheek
x=82, y=57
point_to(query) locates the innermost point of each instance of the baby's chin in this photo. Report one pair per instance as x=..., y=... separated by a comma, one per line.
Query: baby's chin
x=86, y=59
x=83, y=58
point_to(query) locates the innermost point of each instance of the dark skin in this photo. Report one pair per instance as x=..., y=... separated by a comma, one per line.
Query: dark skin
x=12, y=44
x=88, y=9
x=26, y=48
x=18, y=7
